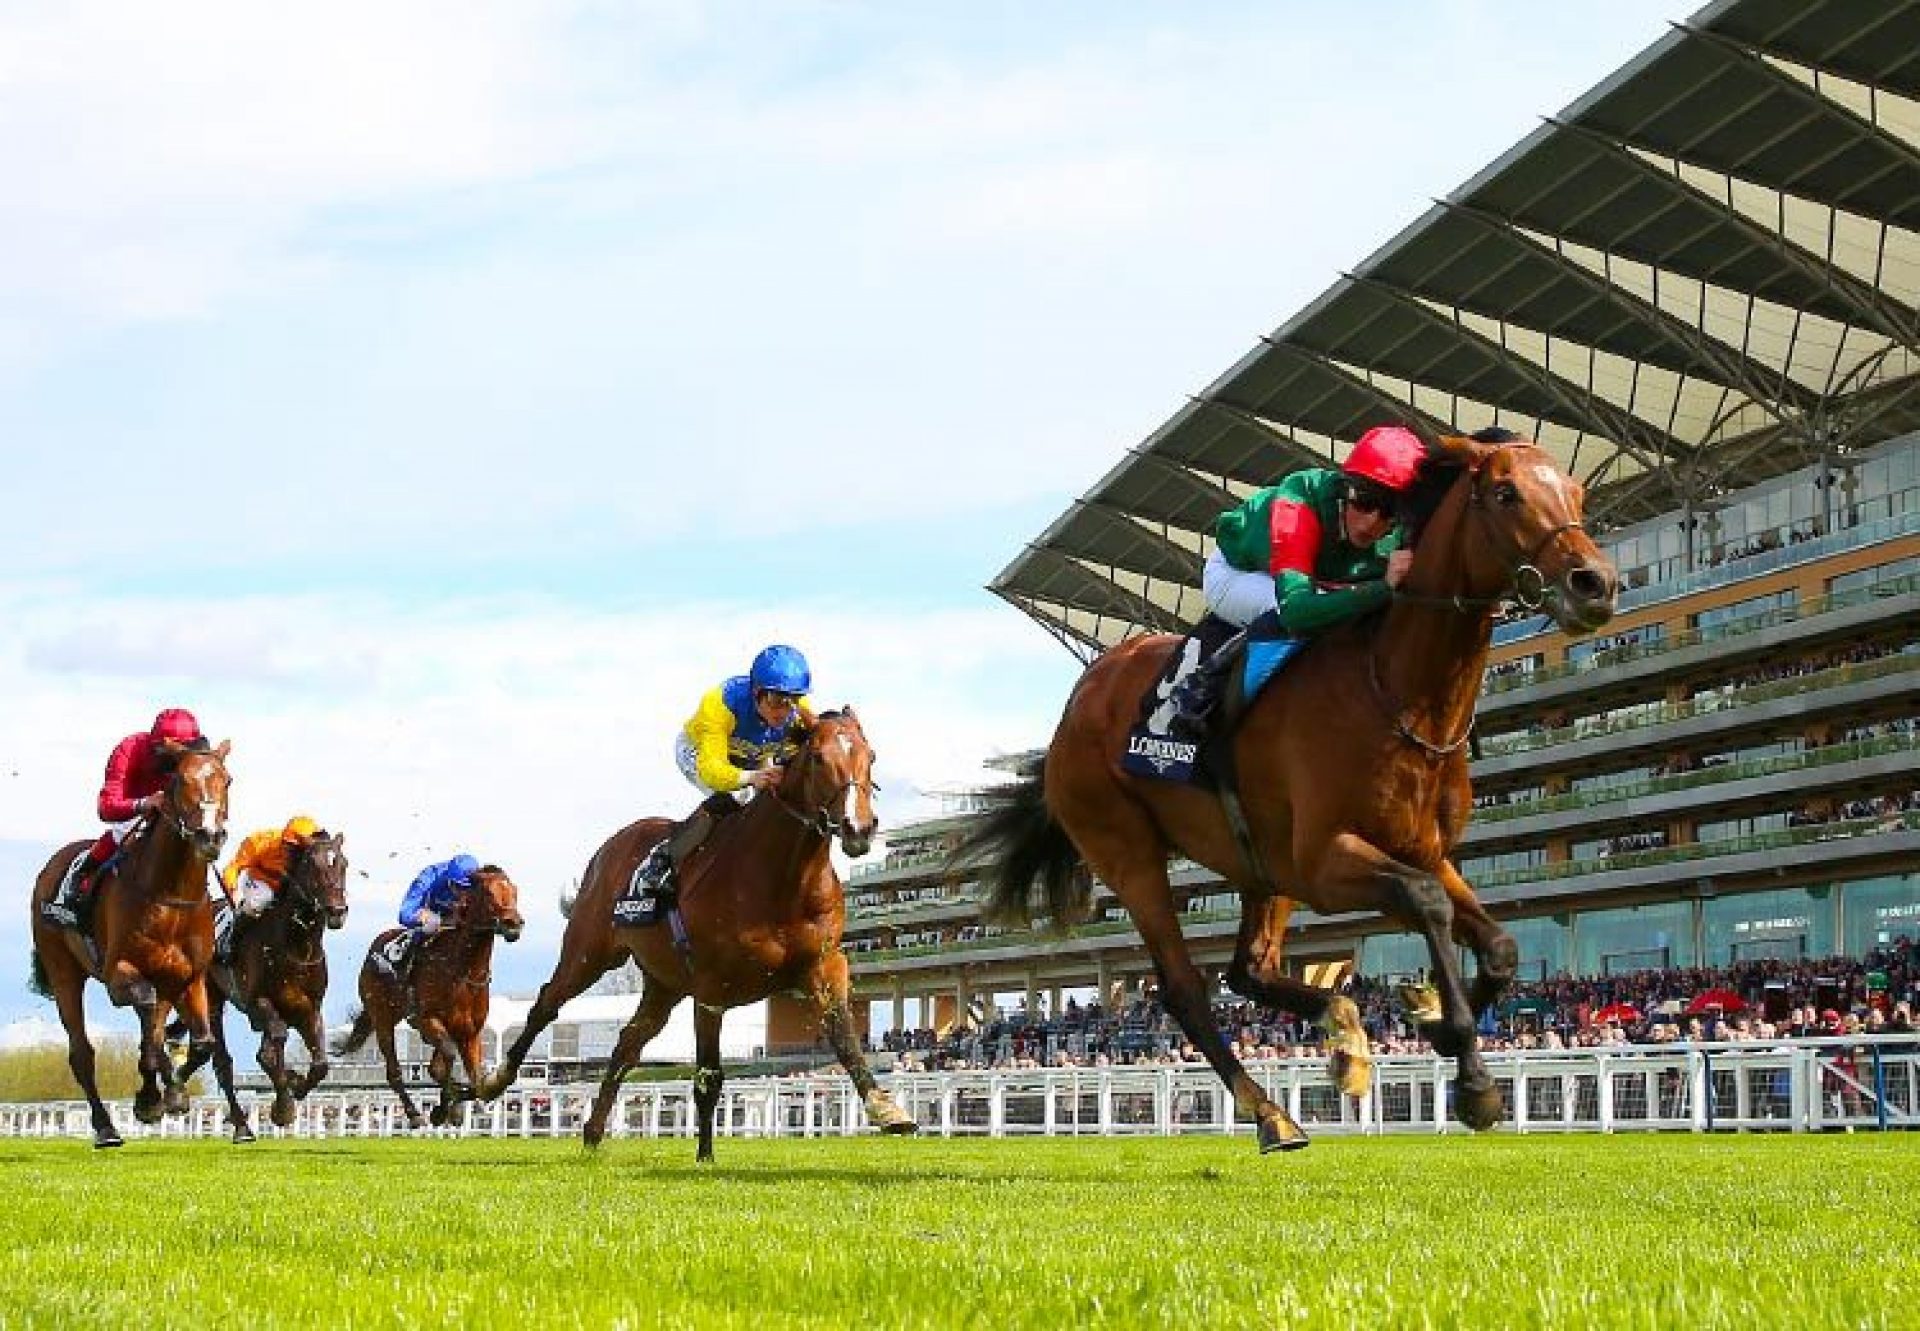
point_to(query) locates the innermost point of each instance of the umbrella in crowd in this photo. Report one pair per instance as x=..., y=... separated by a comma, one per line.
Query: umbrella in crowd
x=1624, y=1013
x=1716, y=1000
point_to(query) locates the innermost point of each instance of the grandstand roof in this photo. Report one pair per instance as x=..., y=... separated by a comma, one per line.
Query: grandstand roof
x=1704, y=272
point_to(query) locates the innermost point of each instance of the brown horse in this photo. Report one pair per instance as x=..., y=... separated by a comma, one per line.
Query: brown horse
x=152, y=931
x=1353, y=771
x=277, y=978
x=763, y=910
x=445, y=993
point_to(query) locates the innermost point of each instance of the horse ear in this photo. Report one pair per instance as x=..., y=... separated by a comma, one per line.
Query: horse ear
x=1461, y=451
x=226, y=747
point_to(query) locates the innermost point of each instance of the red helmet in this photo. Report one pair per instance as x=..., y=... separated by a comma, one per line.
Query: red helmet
x=1388, y=455
x=175, y=726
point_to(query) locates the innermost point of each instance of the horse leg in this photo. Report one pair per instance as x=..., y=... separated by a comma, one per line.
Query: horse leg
x=68, y=982
x=440, y=1067
x=577, y=969
x=313, y=1032
x=273, y=1061
x=657, y=1002
x=193, y=1007
x=468, y=1051
x=1355, y=871
x=707, y=1076
x=828, y=990
x=383, y=1025
x=1497, y=955
x=129, y=988
x=1258, y=973
x=223, y=1072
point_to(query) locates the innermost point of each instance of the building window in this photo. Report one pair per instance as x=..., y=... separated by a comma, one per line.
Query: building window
x=1786, y=925
x=1650, y=937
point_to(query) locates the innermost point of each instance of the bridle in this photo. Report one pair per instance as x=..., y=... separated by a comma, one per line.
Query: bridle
x=821, y=822
x=1526, y=586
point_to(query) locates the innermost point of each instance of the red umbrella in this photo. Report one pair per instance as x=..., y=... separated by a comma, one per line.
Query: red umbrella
x=1716, y=1000
x=1624, y=1013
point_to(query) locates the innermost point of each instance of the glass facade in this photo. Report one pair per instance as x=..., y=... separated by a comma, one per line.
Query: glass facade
x=1546, y=946
x=1880, y=910
x=1635, y=938
x=1784, y=925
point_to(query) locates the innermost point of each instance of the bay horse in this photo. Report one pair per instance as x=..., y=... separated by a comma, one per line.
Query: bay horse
x=763, y=910
x=1353, y=773
x=445, y=994
x=277, y=978
x=152, y=931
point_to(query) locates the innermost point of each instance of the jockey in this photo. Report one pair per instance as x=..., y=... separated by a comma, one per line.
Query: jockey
x=133, y=788
x=435, y=891
x=1316, y=550
x=253, y=877
x=730, y=748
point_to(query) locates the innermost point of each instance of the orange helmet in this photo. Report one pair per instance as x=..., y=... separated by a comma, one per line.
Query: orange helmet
x=300, y=828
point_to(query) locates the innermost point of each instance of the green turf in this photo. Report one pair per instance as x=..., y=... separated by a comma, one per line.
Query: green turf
x=1499, y=1231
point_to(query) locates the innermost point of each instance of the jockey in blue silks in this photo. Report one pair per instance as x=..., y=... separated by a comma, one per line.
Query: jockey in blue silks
x=434, y=893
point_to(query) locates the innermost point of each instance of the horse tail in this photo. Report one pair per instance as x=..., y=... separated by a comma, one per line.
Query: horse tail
x=568, y=895
x=1020, y=846
x=362, y=1028
x=37, y=979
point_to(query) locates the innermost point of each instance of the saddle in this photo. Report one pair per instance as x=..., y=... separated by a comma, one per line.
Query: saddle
x=1199, y=699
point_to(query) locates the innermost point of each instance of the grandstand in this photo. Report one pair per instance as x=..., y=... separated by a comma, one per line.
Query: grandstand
x=1699, y=287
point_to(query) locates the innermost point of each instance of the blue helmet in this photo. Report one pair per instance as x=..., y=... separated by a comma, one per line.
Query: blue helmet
x=781, y=669
x=462, y=868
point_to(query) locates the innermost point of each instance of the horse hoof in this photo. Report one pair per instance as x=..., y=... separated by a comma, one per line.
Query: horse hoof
x=149, y=1113
x=415, y=1122
x=591, y=1135
x=1280, y=1135
x=438, y=1116
x=1352, y=1073
x=906, y=1127
x=282, y=1113
x=107, y=1140
x=242, y=1134
x=493, y=1086
x=1478, y=1107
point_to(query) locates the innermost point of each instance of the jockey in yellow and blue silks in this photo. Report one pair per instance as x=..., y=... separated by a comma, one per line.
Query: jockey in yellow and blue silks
x=731, y=747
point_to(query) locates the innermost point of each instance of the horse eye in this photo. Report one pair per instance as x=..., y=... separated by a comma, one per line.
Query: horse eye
x=1506, y=494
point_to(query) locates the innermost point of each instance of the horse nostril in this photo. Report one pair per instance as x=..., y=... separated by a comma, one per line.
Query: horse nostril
x=1590, y=584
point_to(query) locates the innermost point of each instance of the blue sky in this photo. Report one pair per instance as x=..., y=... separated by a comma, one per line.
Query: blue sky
x=437, y=397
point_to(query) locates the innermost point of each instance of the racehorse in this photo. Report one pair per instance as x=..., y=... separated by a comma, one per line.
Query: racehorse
x=763, y=911
x=445, y=993
x=152, y=932
x=277, y=978
x=1353, y=771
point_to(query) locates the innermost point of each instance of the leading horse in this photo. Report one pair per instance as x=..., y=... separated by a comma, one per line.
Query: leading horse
x=446, y=992
x=277, y=978
x=152, y=927
x=763, y=911
x=1353, y=769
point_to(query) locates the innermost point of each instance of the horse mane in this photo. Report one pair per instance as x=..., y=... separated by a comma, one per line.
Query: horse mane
x=1437, y=475
x=168, y=757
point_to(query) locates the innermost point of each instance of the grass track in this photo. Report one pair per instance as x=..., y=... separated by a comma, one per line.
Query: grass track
x=1398, y=1232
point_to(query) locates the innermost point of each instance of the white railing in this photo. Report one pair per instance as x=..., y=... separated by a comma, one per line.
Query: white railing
x=1796, y=1086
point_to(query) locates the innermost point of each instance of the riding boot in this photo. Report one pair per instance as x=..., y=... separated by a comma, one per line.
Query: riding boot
x=655, y=875
x=1198, y=696
x=224, y=922
x=75, y=895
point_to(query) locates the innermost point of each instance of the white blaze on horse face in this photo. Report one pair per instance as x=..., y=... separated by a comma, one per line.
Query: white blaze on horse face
x=210, y=816
x=1552, y=481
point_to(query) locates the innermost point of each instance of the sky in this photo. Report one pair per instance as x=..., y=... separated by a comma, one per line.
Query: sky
x=437, y=398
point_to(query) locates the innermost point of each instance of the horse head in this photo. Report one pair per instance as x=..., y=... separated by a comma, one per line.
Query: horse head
x=196, y=795
x=492, y=904
x=829, y=784
x=317, y=877
x=1516, y=533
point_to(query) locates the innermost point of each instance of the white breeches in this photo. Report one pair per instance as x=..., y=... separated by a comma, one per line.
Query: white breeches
x=251, y=895
x=1234, y=594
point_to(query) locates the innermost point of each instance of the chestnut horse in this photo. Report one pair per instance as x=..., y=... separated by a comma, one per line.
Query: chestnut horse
x=445, y=993
x=152, y=925
x=763, y=910
x=277, y=978
x=1353, y=773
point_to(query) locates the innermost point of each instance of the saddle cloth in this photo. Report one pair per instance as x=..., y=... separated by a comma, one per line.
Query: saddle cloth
x=1153, y=748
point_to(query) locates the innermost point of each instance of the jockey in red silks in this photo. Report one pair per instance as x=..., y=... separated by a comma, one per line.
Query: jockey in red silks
x=730, y=748
x=133, y=788
x=1317, y=549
